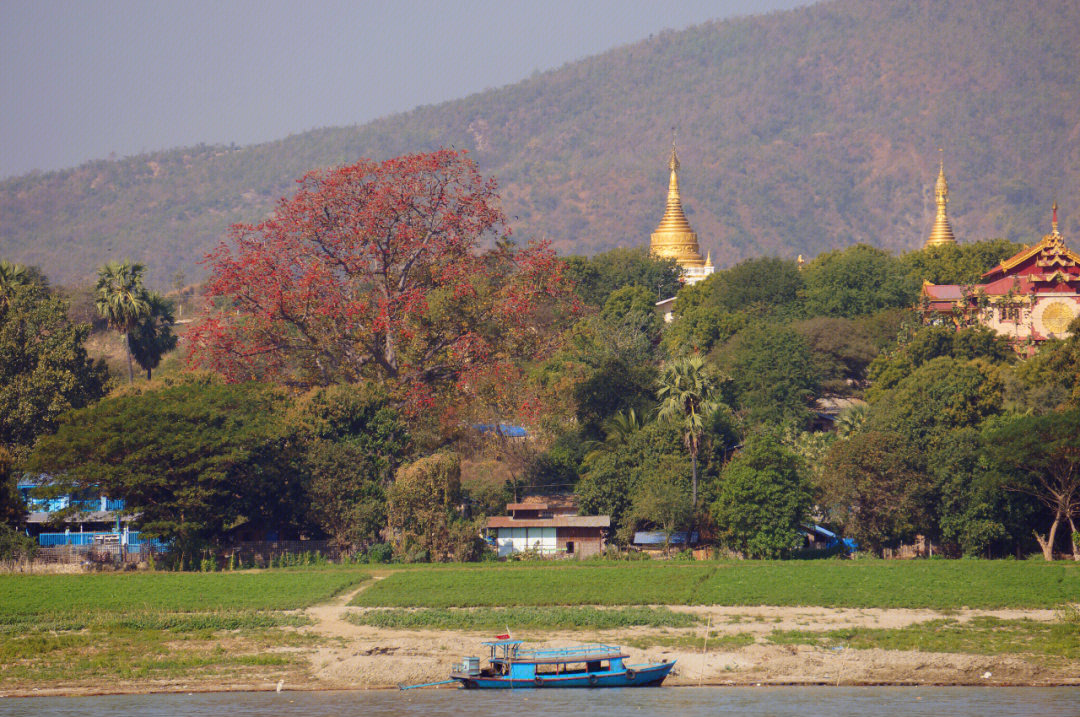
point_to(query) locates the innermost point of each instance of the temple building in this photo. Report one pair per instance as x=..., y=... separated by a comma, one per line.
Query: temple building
x=1029, y=297
x=674, y=238
x=941, y=234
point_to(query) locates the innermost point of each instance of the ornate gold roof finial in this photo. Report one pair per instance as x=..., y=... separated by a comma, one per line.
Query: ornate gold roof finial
x=942, y=233
x=1053, y=222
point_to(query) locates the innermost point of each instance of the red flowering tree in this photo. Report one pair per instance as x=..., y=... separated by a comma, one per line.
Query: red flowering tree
x=380, y=270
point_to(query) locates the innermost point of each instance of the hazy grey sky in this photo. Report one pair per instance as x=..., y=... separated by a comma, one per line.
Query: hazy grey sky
x=82, y=79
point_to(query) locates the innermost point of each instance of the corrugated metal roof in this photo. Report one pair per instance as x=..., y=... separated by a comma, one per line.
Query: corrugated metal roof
x=558, y=521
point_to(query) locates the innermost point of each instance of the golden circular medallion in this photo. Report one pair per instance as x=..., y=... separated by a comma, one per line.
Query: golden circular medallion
x=1056, y=317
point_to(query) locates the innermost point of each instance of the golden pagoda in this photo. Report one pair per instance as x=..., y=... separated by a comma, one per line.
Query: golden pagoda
x=941, y=234
x=674, y=238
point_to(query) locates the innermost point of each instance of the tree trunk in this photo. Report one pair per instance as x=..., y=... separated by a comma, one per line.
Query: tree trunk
x=693, y=489
x=127, y=350
x=1075, y=540
x=1047, y=544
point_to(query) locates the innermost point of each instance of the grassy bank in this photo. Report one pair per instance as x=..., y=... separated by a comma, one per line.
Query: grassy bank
x=981, y=636
x=932, y=584
x=523, y=618
x=23, y=595
x=111, y=628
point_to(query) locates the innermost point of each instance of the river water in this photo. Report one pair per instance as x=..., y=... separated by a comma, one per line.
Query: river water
x=682, y=702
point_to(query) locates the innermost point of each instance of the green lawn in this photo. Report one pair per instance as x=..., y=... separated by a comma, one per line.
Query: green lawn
x=105, y=593
x=934, y=584
x=980, y=636
x=523, y=618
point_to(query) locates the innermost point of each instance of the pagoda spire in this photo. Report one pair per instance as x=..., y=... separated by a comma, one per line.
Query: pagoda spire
x=674, y=238
x=942, y=232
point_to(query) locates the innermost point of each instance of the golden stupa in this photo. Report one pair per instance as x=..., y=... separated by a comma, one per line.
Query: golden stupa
x=941, y=234
x=674, y=238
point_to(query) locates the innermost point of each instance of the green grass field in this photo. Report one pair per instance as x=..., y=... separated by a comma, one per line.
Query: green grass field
x=981, y=635
x=934, y=584
x=64, y=629
x=523, y=618
x=89, y=594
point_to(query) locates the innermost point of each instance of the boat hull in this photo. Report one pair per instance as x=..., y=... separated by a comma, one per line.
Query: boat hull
x=636, y=676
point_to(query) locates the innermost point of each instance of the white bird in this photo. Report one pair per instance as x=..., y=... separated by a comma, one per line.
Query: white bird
x=280, y=684
x=987, y=675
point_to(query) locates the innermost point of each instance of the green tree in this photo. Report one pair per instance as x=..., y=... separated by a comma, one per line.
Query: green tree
x=856, y=281
x=122, y=301
x=957, y=263
x=422, y=505
x=699, y=328
x=941, y=395
x=929, y=342
x=688, y=395
x=12, y=507
x=44, y=369
x=768, y=285
x=353, y=442
x=775, y=377
x=975, y=512
x=661, y=500
x=152, y=337
x=13, y=543
x=874, y=487
x=763, y=497
x=840, y=348
x=610, y=478
x=1042, y=457
x=190, y=460
x=596, y=277
x=12, y=278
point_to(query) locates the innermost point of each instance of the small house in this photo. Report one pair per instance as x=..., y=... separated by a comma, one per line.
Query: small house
x=549, y=527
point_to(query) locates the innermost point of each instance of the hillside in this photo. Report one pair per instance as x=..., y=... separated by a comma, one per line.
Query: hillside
x=799, y=131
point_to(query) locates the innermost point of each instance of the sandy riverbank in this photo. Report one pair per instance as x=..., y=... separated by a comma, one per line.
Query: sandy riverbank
x=349, y=656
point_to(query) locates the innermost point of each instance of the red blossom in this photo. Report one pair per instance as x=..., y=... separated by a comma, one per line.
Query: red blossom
x=377, y=270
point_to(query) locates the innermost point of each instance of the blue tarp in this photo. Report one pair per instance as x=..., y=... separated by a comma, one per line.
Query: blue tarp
x=656, y=537
x=502, y=429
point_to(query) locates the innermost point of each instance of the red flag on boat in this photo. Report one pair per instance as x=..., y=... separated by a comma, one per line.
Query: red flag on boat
x=503, y=637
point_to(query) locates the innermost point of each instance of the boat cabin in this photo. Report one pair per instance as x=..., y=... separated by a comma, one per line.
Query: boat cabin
x=508, y=660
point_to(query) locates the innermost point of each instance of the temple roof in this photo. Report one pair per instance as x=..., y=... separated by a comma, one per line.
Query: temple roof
x=1050, y=255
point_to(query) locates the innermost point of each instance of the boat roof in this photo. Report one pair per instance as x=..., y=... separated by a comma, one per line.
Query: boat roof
x=578, y=653
x=500, y=643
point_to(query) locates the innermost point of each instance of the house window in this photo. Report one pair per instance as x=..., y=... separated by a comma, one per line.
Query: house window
x=569, y=547
x=1009, y=313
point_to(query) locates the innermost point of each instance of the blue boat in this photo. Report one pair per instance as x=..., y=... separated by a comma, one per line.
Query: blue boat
x=510, y=667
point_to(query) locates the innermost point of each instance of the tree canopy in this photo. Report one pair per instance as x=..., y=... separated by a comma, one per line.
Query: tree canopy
x=378, y=270
x=44, y=368
x=190, y=460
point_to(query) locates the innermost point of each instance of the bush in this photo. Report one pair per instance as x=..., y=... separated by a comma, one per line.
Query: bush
x=14, y=545
x=380, y=553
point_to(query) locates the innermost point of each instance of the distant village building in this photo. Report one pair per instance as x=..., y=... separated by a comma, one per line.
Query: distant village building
x=549, y=527
x=1029, y=297
x=674, y=238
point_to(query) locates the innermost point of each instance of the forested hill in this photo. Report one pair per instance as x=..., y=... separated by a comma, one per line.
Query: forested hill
x=799, y=131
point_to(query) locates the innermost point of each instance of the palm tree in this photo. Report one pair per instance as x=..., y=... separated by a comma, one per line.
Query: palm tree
x=617, y=431
x=688, y=394
x=152, y=337
x=121, y=300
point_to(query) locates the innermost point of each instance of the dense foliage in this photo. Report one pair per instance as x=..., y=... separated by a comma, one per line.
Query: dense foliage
x=377, y=271
x=44, y=368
